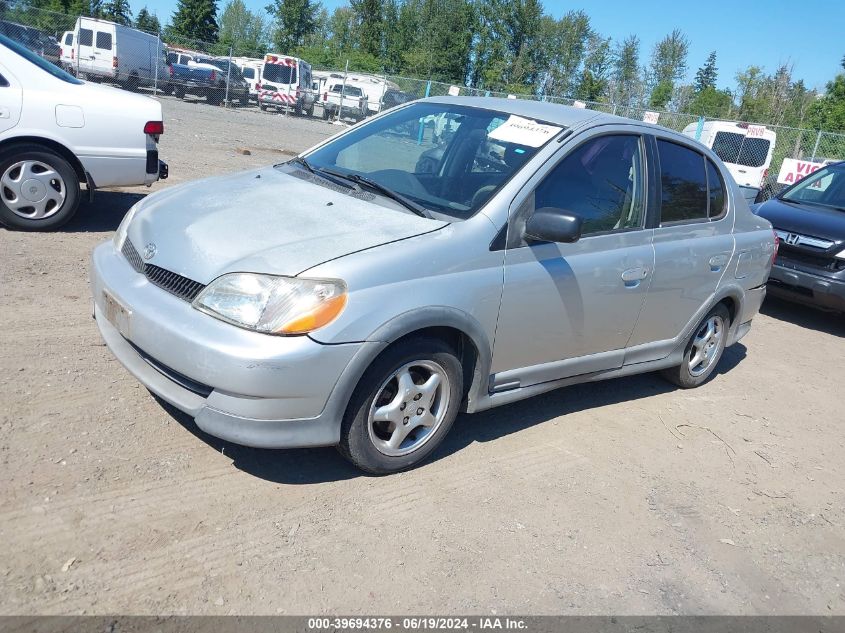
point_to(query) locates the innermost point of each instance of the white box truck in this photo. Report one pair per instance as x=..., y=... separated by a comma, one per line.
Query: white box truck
x=106, y=51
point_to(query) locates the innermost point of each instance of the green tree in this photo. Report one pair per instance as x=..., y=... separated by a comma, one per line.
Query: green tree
x=598, y=65
x=241, y=29
x=668, y=65
x=566, y=42
x=295, y=21
x=828, y=113
x=711, y=102
x=195, y=19
x=147, y=21
x=118, y=11
x=706, y=76
x=626, y=70
x=369, y=16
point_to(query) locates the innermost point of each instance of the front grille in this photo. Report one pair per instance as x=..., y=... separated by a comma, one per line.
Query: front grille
x=182, y=287
x=788, y=256
x=132, y=256
x=175, y=284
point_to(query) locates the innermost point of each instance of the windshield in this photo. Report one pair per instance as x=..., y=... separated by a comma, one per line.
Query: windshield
x=824, y=187
x=279, y=74
x=447, y=158
x=349, y=91
x=740, y=149
x=42, y=63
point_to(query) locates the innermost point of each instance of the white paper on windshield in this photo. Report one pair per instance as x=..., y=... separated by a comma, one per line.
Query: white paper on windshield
x=523, y=132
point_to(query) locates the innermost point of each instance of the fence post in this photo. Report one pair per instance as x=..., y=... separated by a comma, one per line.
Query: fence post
x=228, y=78
x=383, y=90
x=342, y=92
x=816, y=147
x=158, y=57
x=699, y=129
x=422, y=128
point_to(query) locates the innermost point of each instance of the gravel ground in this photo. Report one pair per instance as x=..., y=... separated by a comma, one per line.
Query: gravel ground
x=627, y=496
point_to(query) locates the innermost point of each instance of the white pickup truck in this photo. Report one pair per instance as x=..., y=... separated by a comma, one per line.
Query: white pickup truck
x=344, y=102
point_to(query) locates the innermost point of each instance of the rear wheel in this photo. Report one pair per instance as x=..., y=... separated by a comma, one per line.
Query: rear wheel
x=403, y=406
x=39, y=189
x=703, y=350
x=179, y=92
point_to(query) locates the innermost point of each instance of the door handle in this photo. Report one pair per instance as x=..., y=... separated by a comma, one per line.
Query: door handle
x=633, y=276
x=717, y=262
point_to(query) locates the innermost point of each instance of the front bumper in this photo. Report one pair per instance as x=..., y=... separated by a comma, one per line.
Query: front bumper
x=242, y=386
x=804, y=287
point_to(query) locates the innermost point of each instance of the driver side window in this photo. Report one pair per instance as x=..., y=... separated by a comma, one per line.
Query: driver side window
x=601, y=181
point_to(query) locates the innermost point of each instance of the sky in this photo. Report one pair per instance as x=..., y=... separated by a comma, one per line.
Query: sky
x=765, y=33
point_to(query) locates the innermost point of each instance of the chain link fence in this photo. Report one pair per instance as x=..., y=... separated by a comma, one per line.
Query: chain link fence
x=762, y=158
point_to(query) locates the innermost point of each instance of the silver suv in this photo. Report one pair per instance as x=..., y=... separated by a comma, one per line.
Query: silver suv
x=452, y=254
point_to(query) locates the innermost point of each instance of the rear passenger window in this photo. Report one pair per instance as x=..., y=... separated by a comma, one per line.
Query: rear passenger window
x=249, y=73
x=683, y=182
x=716, y=192
x=601, y=181
x=104, y=40
x=86, y=37
x=69, y=39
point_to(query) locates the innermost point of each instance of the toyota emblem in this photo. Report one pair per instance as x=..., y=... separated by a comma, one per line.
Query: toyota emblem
x=149, y=251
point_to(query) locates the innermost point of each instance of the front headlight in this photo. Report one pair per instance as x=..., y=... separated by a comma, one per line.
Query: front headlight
x=120, y=234
x=272, y=304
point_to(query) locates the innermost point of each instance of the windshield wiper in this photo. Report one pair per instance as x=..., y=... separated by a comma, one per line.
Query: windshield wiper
x=385, y=191
x=320, y=172
x=298, y=160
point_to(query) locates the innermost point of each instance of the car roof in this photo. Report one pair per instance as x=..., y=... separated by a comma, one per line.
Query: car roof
x=566, y=116
x=555, y=113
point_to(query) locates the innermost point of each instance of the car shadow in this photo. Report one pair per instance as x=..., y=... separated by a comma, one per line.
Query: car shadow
x=319, y=465
x=104, y=213
x=806, y=316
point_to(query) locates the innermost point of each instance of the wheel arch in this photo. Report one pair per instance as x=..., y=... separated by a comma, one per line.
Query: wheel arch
x=456, y=327
x=51, y=144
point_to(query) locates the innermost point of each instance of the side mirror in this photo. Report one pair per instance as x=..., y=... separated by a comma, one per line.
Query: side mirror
x=553, y=225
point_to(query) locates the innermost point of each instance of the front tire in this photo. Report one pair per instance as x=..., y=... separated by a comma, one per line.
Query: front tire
x=39, y=189
x=403, y=406
x=703, y=350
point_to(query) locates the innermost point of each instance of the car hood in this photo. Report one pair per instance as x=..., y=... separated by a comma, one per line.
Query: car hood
x=265, y=221
x=806, y=219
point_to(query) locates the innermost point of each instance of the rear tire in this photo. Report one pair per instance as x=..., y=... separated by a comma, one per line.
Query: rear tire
x=37, y=175
x=703, y=350
x=179, y=93
x=403, y=406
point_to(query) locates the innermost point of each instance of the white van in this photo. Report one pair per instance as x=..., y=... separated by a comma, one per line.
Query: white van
x=251, y=70
x=745, y=149
x=67, y=54
x=108, y=51
x=286, y=83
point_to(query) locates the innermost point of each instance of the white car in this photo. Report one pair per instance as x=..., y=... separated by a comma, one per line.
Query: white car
x=57, y=132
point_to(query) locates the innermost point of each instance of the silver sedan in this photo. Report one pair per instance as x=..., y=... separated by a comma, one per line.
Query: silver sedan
x=451, y=254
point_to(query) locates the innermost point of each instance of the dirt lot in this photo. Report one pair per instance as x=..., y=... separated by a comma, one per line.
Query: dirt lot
x=627, y=496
